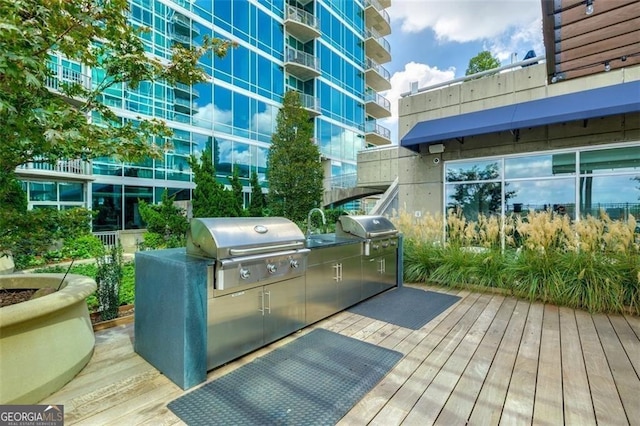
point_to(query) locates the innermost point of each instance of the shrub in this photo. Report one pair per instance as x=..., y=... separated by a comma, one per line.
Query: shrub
x=109, y=278
x=592, y=264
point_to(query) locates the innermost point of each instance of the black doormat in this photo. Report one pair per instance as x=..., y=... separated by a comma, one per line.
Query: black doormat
x=314, y=380
x=405, y=306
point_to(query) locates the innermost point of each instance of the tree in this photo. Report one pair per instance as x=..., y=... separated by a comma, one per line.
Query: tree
x=166, y=223
x=38, y=125
x=210, y=198
x=483, y=61
x=258, y=202
x=236, y=188
x=41, y=126
x=293, y=167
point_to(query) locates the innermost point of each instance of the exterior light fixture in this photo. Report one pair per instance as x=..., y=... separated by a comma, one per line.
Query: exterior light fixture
x=607, y=66
x=589, y=8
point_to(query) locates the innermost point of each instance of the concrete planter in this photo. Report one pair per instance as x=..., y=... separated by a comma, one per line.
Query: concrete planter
x=44, y=342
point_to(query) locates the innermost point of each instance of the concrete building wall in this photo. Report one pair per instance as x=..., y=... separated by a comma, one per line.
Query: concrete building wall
x=421, y=174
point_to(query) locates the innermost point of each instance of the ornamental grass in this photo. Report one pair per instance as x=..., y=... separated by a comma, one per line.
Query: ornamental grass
x=591, y=264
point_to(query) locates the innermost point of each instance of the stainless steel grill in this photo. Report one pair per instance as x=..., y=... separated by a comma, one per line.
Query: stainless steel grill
x=377, y=232
x=379, y=250
x=248, y=250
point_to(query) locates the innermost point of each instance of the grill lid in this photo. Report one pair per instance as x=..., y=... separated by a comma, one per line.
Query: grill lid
x=365, y=226
x=225, y=237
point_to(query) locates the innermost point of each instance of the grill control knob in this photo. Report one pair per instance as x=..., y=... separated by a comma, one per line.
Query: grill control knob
x=244, y=273
x=272, y=268
x=294, y=264
x=375, y=247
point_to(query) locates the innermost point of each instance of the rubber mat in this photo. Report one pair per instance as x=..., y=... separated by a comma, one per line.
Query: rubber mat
x=313, y=380
x=405, y=306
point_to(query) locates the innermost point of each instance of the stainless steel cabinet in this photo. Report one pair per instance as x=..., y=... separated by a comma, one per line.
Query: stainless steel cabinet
x=378, y=273
x=334, y=280
x=245, y=320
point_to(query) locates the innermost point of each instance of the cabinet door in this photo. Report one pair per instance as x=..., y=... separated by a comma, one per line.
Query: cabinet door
x=284, y=308
x=234, y=326
x=389, y=270
x=322, y=294
x=349, y=282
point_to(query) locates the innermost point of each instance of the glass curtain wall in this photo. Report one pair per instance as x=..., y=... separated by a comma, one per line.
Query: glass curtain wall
x=579, y=183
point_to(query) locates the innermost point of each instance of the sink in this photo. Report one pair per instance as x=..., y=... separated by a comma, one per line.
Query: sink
x=320, y=240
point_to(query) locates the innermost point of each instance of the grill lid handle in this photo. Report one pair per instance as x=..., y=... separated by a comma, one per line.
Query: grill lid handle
x=265, y=249
x=382, y=233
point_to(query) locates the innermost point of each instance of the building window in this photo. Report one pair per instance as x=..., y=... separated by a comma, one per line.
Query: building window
x=579, y=183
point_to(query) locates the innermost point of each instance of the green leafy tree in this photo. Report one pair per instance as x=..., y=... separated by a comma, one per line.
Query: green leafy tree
x=166, y=223
x=236, y=188
x=39, y=125
x=258, y=200
x=483, y=61
x=295, y=175
x=210, y=197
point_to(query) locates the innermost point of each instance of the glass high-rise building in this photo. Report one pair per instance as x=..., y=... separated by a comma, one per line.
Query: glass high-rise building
x=330, y=51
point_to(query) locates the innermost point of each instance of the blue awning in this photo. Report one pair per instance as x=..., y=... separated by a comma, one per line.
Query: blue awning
x=611, y=100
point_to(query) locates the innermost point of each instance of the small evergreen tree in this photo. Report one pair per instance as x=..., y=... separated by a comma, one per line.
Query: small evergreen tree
x=210, y=198
x=166, y=223
x=236, y=188
x=295, y=175
x=258, y=201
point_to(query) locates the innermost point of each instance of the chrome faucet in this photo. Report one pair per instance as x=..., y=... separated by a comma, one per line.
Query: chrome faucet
x=324, y=219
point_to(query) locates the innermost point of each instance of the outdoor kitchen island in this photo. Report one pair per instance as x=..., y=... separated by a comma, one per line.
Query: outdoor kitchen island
x=243, y=283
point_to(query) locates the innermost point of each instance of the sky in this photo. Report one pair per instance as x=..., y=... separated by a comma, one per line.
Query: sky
x=433, y=40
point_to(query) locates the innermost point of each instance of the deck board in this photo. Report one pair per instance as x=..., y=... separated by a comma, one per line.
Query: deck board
x=548, y=400
x=626, y=378
x=458, y=407
x=488, y=407
x=578, y=408
x=606, y=401
x=488, y=359
x=518, y=407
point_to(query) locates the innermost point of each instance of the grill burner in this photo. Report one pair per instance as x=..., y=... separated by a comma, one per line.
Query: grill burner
x=248, y=250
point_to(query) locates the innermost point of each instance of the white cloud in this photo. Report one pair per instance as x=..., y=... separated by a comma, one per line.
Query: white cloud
x=210, y=112
x=401, y=83
x=464, y=20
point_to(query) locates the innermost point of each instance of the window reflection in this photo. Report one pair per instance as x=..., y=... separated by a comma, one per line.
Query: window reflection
x=617, y=196
x=610, y=160
x=540, y=165
x=473, y=171
x=540, y=195
x=474, y=199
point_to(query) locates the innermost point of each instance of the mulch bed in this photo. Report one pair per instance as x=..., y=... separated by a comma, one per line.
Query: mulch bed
x=9, y=296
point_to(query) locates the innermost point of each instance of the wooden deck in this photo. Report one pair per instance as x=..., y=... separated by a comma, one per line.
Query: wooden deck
x=489, y=359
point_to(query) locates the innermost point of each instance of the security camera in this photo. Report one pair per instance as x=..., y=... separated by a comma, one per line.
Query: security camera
x=436, y=160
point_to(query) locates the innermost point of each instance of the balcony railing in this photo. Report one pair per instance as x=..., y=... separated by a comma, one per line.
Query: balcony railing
x=373, y=127
x=303, y=65
x=310, y=103
x=378, y=99
x=377, y=47
x=302, y=24
x=377, y=16
x=373, y=65
x=184, y=22
x=76, y=167
x=61, y=74
x=377, y=76
x=185, y=88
